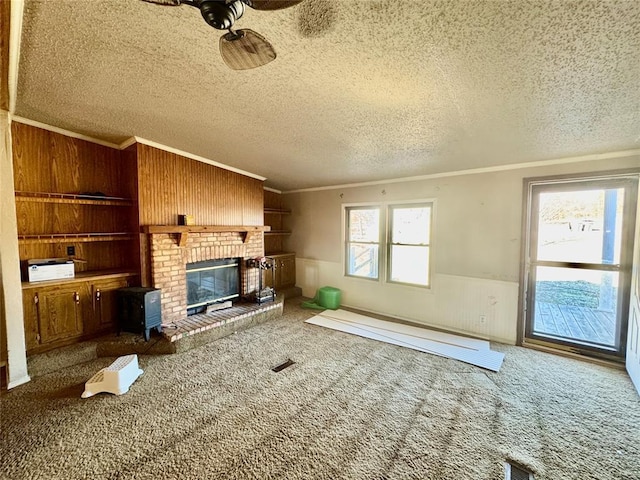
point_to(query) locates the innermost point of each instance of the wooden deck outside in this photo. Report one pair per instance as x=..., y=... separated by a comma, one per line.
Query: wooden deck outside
x=580, y=323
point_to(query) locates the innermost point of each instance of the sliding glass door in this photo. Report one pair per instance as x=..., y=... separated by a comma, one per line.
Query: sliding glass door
x=578, y=262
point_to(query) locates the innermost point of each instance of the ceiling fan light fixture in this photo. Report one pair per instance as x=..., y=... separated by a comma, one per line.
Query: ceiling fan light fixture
x=245, y=49
x=221, y=15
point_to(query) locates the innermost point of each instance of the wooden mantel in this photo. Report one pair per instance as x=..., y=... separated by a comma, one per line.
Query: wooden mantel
x=183, y=231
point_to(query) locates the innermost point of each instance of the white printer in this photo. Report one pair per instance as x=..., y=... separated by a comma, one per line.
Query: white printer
x=39, y=269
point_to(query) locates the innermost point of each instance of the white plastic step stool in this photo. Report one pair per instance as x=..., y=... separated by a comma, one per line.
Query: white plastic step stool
x=116, y=378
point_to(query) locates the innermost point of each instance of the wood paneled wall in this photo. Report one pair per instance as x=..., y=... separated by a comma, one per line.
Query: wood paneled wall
x=161, y=186
x=48, y=162
x=170, y=185
x=272, y=200
x=45, y=161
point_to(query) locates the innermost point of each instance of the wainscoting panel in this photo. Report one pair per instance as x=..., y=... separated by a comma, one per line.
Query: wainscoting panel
x=485, y=308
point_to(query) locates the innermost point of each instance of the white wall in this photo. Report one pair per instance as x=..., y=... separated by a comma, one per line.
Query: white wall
x=476, y=247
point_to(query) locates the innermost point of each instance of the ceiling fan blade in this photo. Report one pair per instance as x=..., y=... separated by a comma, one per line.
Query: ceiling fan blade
x=166, y=3
x=245, y=49
x=271, y=4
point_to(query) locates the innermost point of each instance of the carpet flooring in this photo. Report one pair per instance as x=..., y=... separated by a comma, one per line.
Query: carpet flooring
x=350, y=408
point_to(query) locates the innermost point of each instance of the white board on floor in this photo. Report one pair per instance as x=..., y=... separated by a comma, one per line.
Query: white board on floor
x=468, y=350
x=420, y=332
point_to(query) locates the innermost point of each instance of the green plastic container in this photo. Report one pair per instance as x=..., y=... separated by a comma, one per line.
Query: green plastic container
x=329, y=297
x=326, y=297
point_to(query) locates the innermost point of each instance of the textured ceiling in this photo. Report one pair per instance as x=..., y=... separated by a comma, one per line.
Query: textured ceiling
x=361, y=90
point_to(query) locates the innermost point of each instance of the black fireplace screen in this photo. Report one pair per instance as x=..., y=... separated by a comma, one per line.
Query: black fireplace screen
x=212, y=281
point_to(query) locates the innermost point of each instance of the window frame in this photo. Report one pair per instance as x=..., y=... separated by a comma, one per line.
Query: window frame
x=388, y=261
x=385, y=235
x=347, y=240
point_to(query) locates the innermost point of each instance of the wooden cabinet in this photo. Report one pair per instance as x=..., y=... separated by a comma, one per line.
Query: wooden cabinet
x=60, y=312
x=287, y=270
x=284, y=275
x=78, y=200
x=30, y=304
x=63, y=312
x=103, y=310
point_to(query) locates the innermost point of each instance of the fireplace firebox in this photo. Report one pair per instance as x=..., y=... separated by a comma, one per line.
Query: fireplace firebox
x=212, y=281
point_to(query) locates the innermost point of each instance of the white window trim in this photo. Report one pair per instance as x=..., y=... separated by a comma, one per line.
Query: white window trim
x=389, y=244
x=384, y=242
x=381, y=257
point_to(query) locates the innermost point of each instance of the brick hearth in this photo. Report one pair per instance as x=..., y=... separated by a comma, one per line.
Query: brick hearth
x=203, y=322
x=169, y=260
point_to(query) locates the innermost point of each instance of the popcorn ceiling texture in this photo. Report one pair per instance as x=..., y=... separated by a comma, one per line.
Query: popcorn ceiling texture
x=361, y=89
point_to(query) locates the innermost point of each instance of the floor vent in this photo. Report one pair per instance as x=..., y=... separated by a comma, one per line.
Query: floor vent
x=284, y=365
x=516, y=472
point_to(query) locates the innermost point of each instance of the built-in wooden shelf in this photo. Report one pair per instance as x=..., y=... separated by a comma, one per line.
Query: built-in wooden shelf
x=277, y=211
x=78, y=199
x=75, y=237
x=83, y=277
x=278, y=232
x=183, y=231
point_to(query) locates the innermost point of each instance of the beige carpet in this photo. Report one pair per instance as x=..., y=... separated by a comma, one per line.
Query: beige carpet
x=349, y=408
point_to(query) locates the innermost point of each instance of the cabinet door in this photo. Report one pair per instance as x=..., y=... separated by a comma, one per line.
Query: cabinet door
x=288, y=271
x=104, y=306
x=60, y=313
x=31, y=327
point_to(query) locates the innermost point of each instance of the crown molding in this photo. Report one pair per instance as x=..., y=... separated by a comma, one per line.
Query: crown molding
x=127, y=143
x=475, y=171
x=62, y=131
x=269, y=189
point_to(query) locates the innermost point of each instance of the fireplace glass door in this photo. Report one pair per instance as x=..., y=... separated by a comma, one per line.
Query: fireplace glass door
x=211, y=282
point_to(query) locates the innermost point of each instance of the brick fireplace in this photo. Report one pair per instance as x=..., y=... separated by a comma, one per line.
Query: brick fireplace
x=170, y=253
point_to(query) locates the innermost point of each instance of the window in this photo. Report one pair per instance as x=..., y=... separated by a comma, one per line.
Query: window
x=397, y=239
x=363, y=241
x=409, y=244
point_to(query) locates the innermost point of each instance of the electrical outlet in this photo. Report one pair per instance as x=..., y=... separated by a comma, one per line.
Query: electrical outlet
x=483, y=319
x=71, y=251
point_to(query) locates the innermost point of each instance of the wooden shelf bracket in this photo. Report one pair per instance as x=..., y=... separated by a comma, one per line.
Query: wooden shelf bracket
x=182, y=238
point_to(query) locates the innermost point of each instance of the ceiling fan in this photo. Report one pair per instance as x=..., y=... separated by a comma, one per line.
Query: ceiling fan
x=240, y=49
